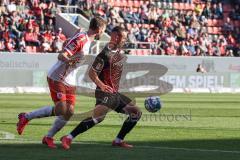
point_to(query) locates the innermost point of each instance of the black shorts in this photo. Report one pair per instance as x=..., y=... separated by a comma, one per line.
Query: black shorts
x=114, y=101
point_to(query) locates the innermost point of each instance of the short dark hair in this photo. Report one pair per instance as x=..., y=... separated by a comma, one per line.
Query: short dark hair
x=96, y=23
x=118, y=29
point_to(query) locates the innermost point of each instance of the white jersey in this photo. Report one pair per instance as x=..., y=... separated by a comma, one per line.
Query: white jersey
x=61, y=71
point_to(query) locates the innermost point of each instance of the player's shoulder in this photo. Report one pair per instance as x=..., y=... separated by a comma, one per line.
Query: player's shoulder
x=81, y=36
x=104, y=53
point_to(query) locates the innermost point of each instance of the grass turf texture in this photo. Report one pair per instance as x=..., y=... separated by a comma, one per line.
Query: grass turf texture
x=188, y=127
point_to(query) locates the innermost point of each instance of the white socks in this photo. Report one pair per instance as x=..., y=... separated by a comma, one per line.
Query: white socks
x=70, y=136
x=42, y=112
x=58, y=124
x=118, y=140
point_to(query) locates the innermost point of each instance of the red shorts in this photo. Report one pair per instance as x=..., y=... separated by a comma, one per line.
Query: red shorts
x=61, y=92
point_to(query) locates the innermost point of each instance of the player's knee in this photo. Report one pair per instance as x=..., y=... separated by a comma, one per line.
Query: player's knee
x=60, y=109
x=136, y=113
x=69, y=111
x=98, y=119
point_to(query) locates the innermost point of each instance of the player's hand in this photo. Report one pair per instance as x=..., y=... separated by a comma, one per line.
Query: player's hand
x=76, y=59
x=106, y=88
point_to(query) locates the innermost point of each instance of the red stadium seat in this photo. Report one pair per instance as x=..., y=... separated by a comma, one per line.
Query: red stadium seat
x=124, y=3
x=210, y=22
x=147, y=26
x=210, y=30
x=118, y=3
x=133, y=52
x=215, y=22
x=28, y=49
x=225, y=15
x=217, y=30
x=187, y=6
x=227, y=8
x=130, y=3
x=176, y=6
x=111, y=2
x=146, y=52
x=139, y=52
x=220, y=23
x=182, y=6
x=236, y=23
x=136, y=3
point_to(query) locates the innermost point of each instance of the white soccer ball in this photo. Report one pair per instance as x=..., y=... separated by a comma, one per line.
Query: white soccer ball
x=153, y=103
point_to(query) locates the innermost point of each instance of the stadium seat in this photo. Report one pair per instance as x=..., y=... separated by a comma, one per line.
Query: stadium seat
x=217, y=30
x=227, y=8
x=136, y=3
x=215, y=22
x=146, y=52
x=123, y=3
x=28, y=49
x=209, y=22
x=210, y=30
x=118, y=3
x=130, y=3
x=139, y=52
x=236, y=23
x=181, y=6
x=133, y=52
x=225, y=15
x=147, y=26
x=187, y=6
x=220, y=23
x=176, y=6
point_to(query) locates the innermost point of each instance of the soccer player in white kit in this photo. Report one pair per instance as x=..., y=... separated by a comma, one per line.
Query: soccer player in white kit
x=61, y=80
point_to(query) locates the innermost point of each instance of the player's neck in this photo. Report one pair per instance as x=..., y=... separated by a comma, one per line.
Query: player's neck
x=91, y=35
x=112, y=47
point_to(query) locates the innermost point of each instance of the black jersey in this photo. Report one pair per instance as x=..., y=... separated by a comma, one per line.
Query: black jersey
x=109, y=65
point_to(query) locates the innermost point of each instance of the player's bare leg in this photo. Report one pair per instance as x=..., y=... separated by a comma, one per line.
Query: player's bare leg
x=134, y=114
x=99, y=114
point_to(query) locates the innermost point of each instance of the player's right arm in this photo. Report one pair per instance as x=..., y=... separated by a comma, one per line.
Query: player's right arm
x=96, y=68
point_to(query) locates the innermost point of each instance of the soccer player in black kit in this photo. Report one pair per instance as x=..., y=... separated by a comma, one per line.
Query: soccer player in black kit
x=106, y=73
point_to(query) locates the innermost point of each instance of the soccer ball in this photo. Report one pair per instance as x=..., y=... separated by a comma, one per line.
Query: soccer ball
x=153, y=103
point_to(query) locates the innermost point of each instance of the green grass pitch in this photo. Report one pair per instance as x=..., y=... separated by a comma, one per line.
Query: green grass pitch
x=188, y=127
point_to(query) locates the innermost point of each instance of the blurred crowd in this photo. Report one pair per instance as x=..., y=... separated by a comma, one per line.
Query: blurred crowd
x=175, y=32
x=28, y=26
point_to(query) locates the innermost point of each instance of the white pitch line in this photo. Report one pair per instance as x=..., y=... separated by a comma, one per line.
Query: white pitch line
x=6, y=135
x=142, y=146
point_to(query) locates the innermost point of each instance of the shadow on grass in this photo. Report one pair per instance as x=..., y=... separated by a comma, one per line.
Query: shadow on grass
x=225, y=149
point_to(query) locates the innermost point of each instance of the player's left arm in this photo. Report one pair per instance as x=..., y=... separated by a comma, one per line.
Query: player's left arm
x=94, y=71
x=66, y=57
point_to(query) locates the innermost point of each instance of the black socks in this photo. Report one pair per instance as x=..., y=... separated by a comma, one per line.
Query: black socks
x=127, y=126
x=83, y=126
